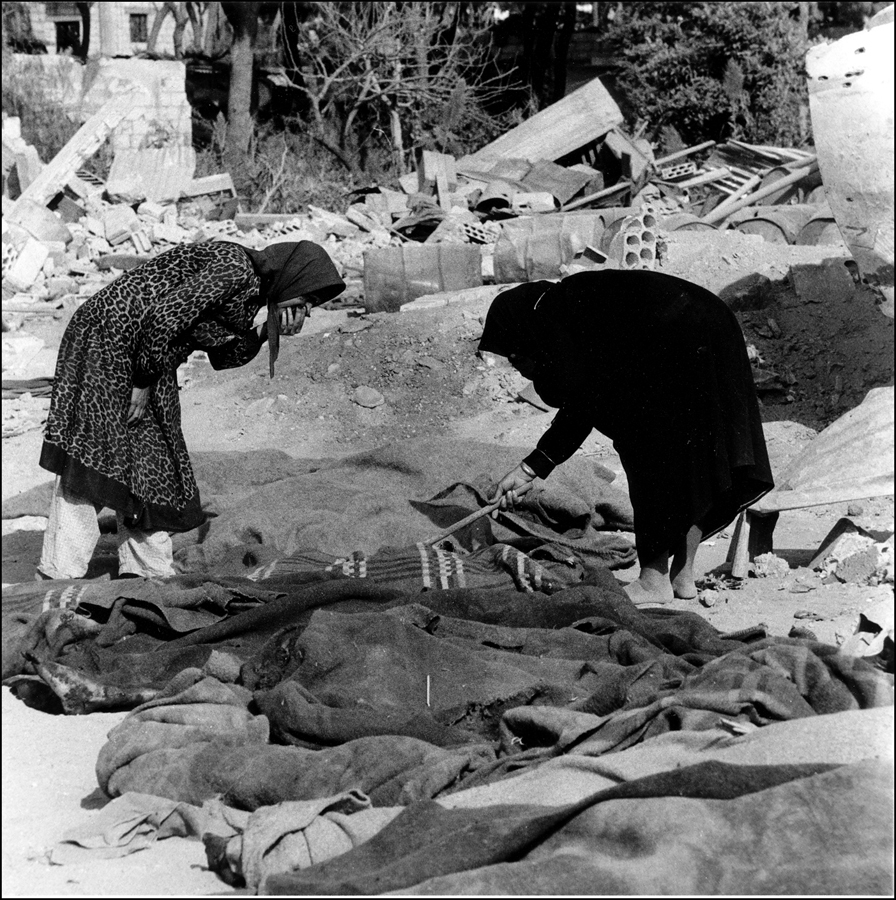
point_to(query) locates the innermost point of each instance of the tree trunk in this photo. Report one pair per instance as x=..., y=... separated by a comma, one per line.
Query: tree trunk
x=157, y=27
x=181, y=20
x=84, y=49
x=195, y=14
x=243, y=18
x=561, y=57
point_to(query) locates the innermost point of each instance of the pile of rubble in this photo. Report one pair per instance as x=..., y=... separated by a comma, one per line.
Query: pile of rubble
x=533, y=204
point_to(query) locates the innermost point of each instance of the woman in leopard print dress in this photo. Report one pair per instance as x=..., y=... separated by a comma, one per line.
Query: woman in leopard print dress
x=113, y=435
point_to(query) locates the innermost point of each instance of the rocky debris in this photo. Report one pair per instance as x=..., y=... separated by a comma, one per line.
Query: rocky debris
x=767, y=565
x=873, y=634
x=368, y=397
x=24, y=413
x=850, y=554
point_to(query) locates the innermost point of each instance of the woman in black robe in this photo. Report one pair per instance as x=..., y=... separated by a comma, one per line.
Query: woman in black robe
x=113, y=435
x=659, y=366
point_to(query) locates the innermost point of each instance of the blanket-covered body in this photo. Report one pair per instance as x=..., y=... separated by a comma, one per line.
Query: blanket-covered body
x=490, y=718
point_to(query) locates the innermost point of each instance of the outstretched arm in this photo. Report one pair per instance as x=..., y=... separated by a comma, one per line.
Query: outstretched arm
x=565, y=435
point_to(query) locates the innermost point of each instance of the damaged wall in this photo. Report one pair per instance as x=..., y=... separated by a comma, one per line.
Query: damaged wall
x=113, y=26
x=161, y=112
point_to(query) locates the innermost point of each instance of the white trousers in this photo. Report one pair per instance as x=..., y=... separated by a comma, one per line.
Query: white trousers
x=72, y=534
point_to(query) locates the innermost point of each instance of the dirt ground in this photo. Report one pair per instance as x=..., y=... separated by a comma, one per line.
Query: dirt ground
x=821, y=358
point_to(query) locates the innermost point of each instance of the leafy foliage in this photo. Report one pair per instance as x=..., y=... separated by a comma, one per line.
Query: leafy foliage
x=714, y=70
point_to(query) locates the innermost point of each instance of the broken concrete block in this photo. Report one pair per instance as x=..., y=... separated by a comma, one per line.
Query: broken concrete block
x=533, y=202
x=19, y=350
x=58, y=286
x=94, y=226
x=851, y=554
x=39, y=222
x=219, y=229
x=822, y=283
x=118, y=223
x=141, y=241
x=69, y=211
x=843, y=526
x=27, y=266
x=55, y=253
x=28, y=165
x=332, y=222
x=151, y=210
x=211, y=184
x=168, y=234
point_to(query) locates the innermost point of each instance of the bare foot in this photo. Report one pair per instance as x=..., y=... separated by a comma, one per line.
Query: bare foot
x=684, y=588
x=641, y=596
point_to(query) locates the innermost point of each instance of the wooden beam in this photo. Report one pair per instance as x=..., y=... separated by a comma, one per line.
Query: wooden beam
x=82, y=146
x=720, y=212
x=564, y=127
x=678, y=154
x=590, y=198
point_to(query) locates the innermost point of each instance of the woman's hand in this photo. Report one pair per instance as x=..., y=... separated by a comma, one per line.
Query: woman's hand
x=512, y=486
x=292, y=318
x=139, y=402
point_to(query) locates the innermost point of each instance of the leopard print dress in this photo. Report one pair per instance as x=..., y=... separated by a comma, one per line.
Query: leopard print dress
x=135, y=332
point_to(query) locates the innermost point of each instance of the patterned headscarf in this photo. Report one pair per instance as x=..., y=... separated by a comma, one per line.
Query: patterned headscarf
x=290, y=270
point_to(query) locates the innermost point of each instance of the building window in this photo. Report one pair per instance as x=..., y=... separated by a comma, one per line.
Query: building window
x=68, y=36
x=139, y=33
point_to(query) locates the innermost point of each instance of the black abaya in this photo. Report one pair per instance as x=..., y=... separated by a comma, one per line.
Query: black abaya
x=658, y=365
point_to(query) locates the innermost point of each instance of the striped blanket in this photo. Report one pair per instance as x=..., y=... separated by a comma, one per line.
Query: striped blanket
x=422, y=567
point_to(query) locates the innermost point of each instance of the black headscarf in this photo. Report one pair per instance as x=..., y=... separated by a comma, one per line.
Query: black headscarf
x=510, y=324
x=290, y=270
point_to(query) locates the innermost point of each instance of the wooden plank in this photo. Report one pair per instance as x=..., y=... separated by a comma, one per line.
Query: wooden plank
x=753, y=536
x=434, y=164
x=591, y=198
x=443, y=192
x=581, y=117
x=86, y=141
x=702, y=178
x=559, y=181
x=719, y=213
x=211, y=184
x=665, y=160
x=634, y=162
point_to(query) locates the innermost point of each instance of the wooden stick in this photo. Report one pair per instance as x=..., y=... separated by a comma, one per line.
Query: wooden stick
x=701, y=178
x=463, y=522
x=606, y=192
x=686, y=152
x=718, y=213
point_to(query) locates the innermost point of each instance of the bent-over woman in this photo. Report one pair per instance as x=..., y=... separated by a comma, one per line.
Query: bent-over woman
x=658, y=365
x=113, y=435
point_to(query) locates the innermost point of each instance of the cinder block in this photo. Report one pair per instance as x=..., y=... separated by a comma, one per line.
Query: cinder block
x=119, y=222
x=27, y=266
x=151, y=210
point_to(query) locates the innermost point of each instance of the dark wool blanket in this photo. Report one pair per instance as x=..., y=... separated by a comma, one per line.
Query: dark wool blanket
x=262, y=505
x=360, y=731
